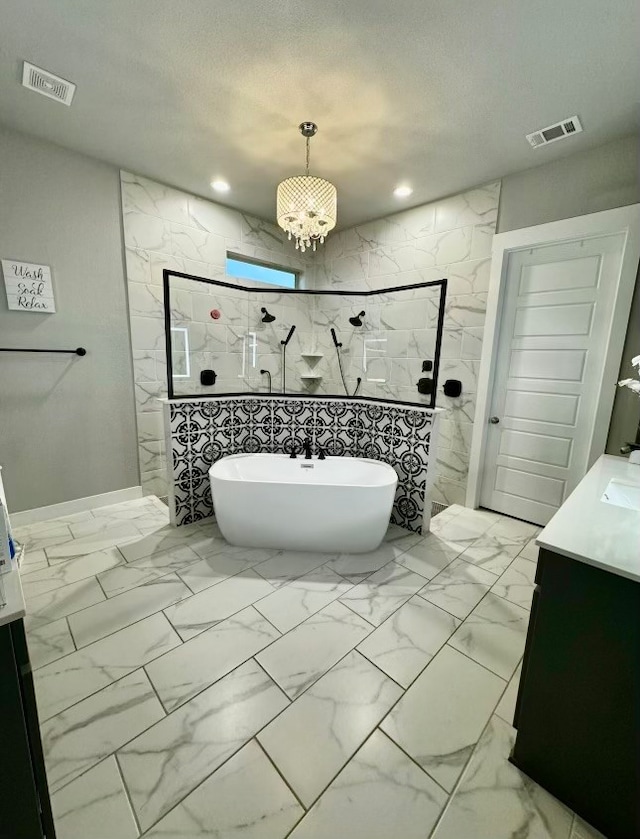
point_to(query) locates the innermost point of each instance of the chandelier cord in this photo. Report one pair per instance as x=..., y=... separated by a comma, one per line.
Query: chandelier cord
x=308, y=143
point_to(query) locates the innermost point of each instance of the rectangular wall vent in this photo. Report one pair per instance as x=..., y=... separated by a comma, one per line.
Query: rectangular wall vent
x=48, y=84
x=558, y=131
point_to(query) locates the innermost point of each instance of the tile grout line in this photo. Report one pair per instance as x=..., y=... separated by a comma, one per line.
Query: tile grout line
x=288, y=785
x=127, y=794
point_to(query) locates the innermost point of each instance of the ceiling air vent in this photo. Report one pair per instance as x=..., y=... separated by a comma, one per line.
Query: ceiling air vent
x=558, y=131
x=48, y=84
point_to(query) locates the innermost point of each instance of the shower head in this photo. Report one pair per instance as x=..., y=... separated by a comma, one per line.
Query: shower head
x=356, y=320
x=267, y=318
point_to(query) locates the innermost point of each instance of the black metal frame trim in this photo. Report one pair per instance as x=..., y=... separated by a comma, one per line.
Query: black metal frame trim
x=166, y=274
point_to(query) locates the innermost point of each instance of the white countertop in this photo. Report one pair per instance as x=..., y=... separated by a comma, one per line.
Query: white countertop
x=14, y=609
x=593, y=531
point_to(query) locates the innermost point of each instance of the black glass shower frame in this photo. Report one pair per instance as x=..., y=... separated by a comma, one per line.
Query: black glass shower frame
x=167, y=274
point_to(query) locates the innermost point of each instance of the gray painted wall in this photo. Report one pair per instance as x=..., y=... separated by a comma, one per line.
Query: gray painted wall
x=599, y=179
x=67, y=424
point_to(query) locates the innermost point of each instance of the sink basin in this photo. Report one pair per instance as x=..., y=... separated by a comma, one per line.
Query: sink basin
x=622, y=494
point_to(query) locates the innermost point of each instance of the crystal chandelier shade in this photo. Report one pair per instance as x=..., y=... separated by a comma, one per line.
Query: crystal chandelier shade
x=306, y=205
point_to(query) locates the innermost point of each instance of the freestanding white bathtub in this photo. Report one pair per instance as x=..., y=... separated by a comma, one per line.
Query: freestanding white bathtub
x=341, y=504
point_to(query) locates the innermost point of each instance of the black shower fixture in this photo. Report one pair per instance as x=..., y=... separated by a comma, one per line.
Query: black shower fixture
x=267, y=318
x=336, y=343
x=356, y=320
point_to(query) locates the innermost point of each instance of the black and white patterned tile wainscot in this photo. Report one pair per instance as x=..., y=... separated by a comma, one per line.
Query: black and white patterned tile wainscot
x=201, y=431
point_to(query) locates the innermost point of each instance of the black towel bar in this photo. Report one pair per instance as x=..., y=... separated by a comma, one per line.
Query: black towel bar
x=77, y=351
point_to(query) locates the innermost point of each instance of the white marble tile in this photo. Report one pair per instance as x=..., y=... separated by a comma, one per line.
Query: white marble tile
x=300, y=657
x=493, y=553
x=517, y=583
x=294, y=603
x=138, y=265
x=530, y=551
x=382, y=593
x=198, y=663
x=356, y=567
x=440, y=718
x=49, y=642
x=494, y=635
x=465, y=310
x=161, y=539
x=481, y=240
x=104, y=538
x=72, y=678
x=329, y=722
x=140, y=195
x=72, y=571
x=228, y=561
x=85, y=734
x=209, y=607
x=471, y=277
x=169, y=760
x=284, y=566
x=127, y=608
x=475, y=206
x=145, y=570
x=514, y=529
x=379, y=794
x=507, y=705
x=32, y=561
x=34, y=538
x=429, y=557
x=407, y=641
x=245, y=798
x=459, y=588
x=61, y=602
x=213, y=218
x=190, y=243
x=94, y=805
x=495, y=800
x=147, y=232
x=582, y=830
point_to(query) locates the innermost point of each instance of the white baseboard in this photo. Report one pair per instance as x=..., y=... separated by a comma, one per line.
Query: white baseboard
x=78, y=505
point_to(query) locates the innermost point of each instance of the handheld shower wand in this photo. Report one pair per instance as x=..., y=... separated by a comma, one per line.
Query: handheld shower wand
x=336, y=343
x=284, y=357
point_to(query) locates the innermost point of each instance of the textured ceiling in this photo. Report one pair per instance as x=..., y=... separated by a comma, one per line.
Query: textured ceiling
x=437, y=94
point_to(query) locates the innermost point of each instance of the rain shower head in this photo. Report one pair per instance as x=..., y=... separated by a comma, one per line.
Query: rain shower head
x=356, y=320
x=267, y=318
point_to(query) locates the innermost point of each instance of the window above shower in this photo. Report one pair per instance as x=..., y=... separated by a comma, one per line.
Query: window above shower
x=246, y=338
x=243, y=268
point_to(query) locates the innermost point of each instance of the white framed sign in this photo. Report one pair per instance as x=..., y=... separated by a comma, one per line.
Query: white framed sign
x=28, y=286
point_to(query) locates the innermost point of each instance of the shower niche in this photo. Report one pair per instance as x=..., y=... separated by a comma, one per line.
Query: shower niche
x=377, y=344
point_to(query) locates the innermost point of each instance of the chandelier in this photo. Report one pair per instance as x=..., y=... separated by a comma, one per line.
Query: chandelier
x=307, y=206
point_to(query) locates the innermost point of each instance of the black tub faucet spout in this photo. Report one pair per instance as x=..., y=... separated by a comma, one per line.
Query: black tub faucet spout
x=306, y=448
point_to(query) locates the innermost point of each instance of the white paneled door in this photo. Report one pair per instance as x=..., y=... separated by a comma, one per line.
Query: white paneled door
x=556, y=321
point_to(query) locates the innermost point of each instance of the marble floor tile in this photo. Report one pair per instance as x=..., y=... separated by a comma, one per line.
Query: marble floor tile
x=198, y=663
x=455, y=534
x=380, y=794
x=514, y=529
x=61, y=602
x=406, y=642
x=478, y=519
x=174, y=756
x=294, y=603
x=43, y=535
x=72, y=571
x=108, y=537
x=286, y=566
x=496, y=801
x=216, y=567
x=459, y=588
x=440, y=718
x=494, y=635
x=492, y=553
x=377, y=597
x=315, y=736
x=209, y=607
x=517, y=583
x=49, y=642
x=582, y=830
x=95, y=805
x=141, y=571
x=72, y=678
x=82, y=736
x=356, y=567
x=300, y=657
x=31, y=561
x=507, y=705
x=530, y=551
x=161, y=540
x=428, y=557
x=111, y=615
x=245, y=798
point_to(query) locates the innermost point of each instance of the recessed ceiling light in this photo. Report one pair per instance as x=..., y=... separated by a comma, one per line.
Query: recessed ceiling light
x=402, y=191
x=220, y=186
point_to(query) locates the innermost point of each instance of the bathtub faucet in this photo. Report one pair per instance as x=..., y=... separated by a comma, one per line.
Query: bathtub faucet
x=306, y=448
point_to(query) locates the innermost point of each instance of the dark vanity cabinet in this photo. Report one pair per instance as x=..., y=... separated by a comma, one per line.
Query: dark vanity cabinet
x=25, y=808
x=578, y=708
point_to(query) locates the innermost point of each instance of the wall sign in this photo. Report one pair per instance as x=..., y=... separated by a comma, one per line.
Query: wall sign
x=28, y=286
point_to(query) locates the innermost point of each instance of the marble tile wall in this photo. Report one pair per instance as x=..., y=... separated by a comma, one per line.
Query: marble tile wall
x=450, y=238
x=166, y=228
x=199, y=432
